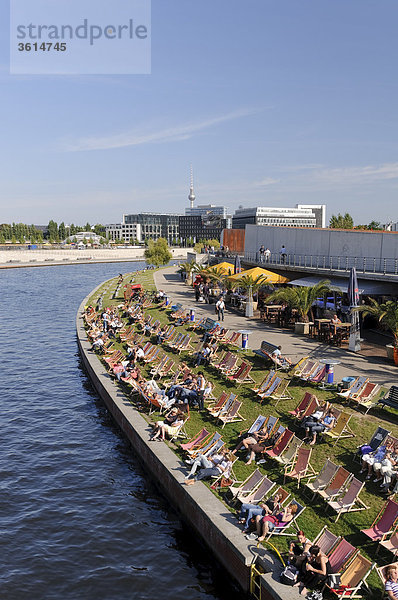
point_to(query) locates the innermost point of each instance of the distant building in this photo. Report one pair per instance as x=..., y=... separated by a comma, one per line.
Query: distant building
x=91, y=236
x=122, y=231
x=391, y=226
x=302, y=215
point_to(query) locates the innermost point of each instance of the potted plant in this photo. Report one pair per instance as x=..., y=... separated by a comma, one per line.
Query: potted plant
x=302, y=299
x=387, y=314
x=251, y=285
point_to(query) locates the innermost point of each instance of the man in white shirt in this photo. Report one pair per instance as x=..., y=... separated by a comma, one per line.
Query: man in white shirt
x=220, y=306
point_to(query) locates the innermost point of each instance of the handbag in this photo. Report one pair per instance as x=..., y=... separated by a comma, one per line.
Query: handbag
x=289, y=575
x=334, y=581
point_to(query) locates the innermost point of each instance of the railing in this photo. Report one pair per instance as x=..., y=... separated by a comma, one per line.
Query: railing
x=363, y=264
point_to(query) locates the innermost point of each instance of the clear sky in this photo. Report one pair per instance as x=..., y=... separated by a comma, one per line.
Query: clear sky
x=274, y=102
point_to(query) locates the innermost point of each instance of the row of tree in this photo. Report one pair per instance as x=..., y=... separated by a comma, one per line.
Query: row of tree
x=20, y=232
x=347, y=222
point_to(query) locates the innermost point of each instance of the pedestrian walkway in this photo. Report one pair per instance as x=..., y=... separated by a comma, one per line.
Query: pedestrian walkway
x=294, y=346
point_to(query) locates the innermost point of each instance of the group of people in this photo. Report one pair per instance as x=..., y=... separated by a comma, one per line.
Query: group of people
x=265, y=254
x=382, y=464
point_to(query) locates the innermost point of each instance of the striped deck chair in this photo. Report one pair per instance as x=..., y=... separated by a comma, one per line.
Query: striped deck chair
x=225, y=408
x=114, y=357
x=223, y=361
x=299, y=469
x=302, y=405
x=169, y=333
x=276, y=382
x=281, y=392
x=152, y=355
x=350, y=501
x=353, y=576
x=311, y=408
x=256, y=495
x=197, y=324
x=233, y=340
x=354, y=388
x=384, y=523
x=212, y=444
x=308, y=369
x=185, y=344
x=256, y=426
x=162, y=361
x=197, y=440
x=318, y=371
x=219, y=404
x=340, y=555
x=285, y=530
x=323, y=478
x=335, y=488
x=341, y=429
x=174, y=340
x=231, y=367
x=289, y=454
x=232, y=415
x=280, y=445
x=304, y=366
x=242, y=375
x=264, y=384
x=248, y=485
x=365, y=398
x=326, y=540
x=167, y=369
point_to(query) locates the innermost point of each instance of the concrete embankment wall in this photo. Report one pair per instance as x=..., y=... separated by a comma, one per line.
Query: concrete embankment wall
x=197, y=505
x=34, y=258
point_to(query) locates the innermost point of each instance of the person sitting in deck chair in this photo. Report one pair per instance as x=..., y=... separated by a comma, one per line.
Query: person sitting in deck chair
x=314, y=571
x=250, y=439
x=219, y=464
x=173, y=420
x=269, y=507
x=268, y=523
x=314, y=426
x=279, y=360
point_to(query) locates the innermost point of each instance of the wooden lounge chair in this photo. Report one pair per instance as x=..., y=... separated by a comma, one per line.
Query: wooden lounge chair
x=390, y=399
x=302, y=405
x=324, y=477
x=349, y=501
x=304, y=367
x=264, y=384
x=299, y=469
x=280, y=445
x=377, y=438
x=243, y=376
x=354, y=388
x=340, y=555
x=232, y=339
x=384, y=523
x=326, y=540
x=276, y=382
x=311, y=367
x=337, y=484
x=341, y=429
x=258, y=493
x=290, y=452
x=256, y=425
x=281, y=392
x=366, y=397
x=391, y=544
x=197, y=441
x=215, y=408
x=207, y=445
x=353, y=576
x=232, y=415
x=248, y=485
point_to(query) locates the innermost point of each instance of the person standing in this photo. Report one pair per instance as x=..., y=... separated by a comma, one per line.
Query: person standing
x=267, y=254
x=283, y=254
x=220, y=306
x=261, y=253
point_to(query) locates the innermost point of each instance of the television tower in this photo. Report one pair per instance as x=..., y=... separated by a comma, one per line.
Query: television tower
x=191, y=196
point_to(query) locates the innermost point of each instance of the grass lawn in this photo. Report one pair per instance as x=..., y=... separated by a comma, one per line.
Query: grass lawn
x=317, y=513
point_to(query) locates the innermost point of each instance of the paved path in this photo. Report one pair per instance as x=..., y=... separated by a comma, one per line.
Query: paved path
x=294, y=346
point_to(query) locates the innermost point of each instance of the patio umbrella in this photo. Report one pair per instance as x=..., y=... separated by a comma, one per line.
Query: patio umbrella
x=237, y=267
x=353, y=298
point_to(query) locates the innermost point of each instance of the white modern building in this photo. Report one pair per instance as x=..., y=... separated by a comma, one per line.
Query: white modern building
x=129, y=232
x=302, y=215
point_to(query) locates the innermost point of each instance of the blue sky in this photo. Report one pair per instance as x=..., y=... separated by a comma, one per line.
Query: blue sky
x=274, y=102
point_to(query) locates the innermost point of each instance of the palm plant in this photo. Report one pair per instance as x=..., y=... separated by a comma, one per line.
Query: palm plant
x=386, y=313
x=187, y=267
x=301, y=298
x=252, y=285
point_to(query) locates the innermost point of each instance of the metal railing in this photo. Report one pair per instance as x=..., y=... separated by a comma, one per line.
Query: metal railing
x=363, y=264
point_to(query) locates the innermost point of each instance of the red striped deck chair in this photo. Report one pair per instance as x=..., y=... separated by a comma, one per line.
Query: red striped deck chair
x=341, y=554
x=167, y=369
x=323, y=478
x=302, y=405
x=299, y=469
x=160, y=365
x=384, y=523
x=245, y=376
x=238, y=372
x=233, y=340
x=197, y=440
x=319, y=368
x=311, y=408
x=280, y=445
x=326, y=540
x=340, y=480
x=349, y=501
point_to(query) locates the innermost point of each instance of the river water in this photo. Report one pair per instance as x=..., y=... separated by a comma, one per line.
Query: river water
x=78, y=517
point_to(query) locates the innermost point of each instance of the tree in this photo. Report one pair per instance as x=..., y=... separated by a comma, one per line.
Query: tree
x=52, y=229
x=158, y=253
x=341, y=222
x=300, y=297
x=62, y=231
x=386, y=313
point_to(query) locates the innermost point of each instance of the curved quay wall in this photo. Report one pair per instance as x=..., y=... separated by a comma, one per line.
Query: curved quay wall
x=198, y=506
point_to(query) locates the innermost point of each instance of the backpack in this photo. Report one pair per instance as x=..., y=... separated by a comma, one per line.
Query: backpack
x=315, y=595
x=289, y=575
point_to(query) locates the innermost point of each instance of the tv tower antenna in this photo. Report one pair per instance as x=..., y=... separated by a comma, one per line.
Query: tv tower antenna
x=191, y=196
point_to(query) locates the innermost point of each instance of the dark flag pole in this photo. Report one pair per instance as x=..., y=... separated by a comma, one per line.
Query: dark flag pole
x=354, y=344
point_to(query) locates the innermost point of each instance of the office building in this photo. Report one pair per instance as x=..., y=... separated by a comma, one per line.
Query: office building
x=301, y=215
